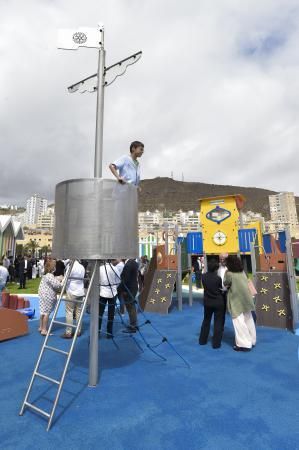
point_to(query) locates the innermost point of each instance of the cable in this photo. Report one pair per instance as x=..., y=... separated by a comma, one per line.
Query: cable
x=147, y=321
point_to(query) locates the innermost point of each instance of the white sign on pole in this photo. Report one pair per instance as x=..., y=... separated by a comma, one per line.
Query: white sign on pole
x=72, y=39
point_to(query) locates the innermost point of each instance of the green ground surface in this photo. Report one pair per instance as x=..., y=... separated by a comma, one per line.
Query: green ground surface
x=31, y=287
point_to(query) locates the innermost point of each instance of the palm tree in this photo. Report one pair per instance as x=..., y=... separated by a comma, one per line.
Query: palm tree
x=44, y=250
x=31, y=247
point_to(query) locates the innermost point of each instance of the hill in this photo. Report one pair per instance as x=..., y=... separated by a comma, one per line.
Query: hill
x=171, y=195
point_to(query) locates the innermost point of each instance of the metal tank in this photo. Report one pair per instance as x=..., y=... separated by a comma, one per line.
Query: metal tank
x=96, y=219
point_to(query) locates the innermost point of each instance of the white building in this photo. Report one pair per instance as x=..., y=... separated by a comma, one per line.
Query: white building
x=158, y=220
x=35, y=206
x=283, y=212
x=46, y=220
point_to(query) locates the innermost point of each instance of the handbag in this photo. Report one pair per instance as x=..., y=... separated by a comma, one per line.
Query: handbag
x=251, y=288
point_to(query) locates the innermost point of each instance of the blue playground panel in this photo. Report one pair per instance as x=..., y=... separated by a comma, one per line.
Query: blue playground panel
x=246, y=236
x=267, y=243
x=282, y=241
x=195, y=243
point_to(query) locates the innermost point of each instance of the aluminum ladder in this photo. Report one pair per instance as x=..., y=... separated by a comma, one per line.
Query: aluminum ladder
x=46, y=347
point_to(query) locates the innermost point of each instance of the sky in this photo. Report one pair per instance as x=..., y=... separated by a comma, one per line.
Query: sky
x=215, y=96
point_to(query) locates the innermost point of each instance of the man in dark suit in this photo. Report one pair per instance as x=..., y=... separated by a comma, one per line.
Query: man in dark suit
x=23, y=267
x=213, y=305
x=128, y=289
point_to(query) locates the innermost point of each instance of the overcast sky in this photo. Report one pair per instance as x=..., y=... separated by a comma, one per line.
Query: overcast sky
x=215, y=94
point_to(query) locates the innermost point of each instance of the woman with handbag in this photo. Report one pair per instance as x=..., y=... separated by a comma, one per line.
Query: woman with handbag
x=240, y=304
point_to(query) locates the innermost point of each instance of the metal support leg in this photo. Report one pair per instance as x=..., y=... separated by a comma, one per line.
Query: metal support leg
x=179, y=278
x=190, y=279
x=253, y=260
x=94, y=329
x=291, y=278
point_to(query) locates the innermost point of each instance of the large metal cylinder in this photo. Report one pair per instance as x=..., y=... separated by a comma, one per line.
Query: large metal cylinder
x=95, y=219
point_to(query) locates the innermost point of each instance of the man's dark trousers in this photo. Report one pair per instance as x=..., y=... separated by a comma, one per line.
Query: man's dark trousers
x=218, y=312
x=111, y=310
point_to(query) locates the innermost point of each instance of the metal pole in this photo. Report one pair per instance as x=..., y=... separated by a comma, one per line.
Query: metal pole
x=179, y=274
x=166, y=239
x=98, y=164
x=94, y=328
x=190, y=279
x=179, y=278
x=98, y=158
x=291, y=277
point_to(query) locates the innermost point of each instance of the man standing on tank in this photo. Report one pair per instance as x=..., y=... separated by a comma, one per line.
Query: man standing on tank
x=126, y=169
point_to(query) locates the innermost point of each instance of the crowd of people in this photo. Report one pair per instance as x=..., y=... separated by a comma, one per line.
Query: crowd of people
x=22, y=268
x=225, y=286
x=119, y=280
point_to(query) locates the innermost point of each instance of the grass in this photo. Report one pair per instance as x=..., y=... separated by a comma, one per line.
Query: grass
x=31, y=287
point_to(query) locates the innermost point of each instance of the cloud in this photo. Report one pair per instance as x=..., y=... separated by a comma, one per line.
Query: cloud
x=214, y=95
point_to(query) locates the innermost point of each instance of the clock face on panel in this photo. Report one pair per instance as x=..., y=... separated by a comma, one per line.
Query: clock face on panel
x=219, y=238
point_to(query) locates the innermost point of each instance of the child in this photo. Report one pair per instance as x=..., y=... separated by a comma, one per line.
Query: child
x=213, y=304
x=126, y=169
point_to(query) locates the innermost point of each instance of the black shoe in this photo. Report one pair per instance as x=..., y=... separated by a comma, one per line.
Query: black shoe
x=130, y=329
x=216, y=346
x=202, y=343
x=241, y=349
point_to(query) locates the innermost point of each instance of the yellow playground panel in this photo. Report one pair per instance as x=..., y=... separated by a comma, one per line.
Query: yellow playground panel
x=219, y=218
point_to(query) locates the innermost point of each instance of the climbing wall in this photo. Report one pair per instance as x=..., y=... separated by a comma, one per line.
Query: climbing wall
x=273, y=306
x=160, y=293
x=159, y=282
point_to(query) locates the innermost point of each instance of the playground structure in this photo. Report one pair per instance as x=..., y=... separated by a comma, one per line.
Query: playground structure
x=13, y=321
x=87, y=221
x=272, y=261
x=274, y=276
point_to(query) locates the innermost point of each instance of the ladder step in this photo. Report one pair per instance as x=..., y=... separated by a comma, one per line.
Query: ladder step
x=78, y=278
x=44, y=377
x=56, y=349
x=64, y=324
x=35, y=408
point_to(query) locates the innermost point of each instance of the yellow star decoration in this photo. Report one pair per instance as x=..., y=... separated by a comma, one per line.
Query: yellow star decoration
x=265, y=307
x=153, y=301
x=157, y=291
x=264, y=278
x=281, y=312
x=168, y=275
x=163, y=299
x=277, y=299
x=159, y=280
x=167, y=285
x=277, y=285
x=263, y=291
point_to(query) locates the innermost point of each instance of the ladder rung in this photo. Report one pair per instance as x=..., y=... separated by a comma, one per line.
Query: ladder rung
x=64, y=324
x=77, y=278
x=55, y=349
x=40, y=375
x=35, y=408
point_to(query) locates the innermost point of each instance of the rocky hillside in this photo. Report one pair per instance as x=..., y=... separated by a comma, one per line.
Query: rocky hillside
x=171, y=195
